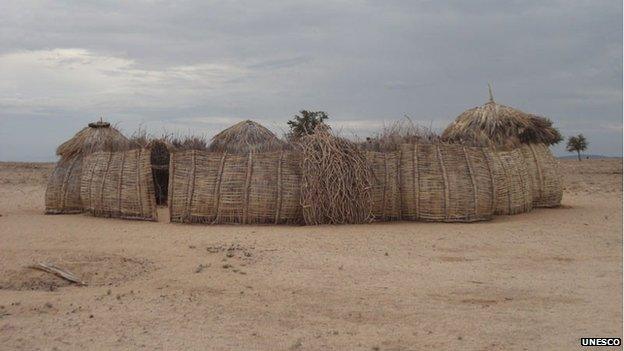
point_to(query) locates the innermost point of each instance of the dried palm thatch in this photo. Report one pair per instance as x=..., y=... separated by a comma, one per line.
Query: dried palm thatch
x=244, y=137
x=98, y=136
x=336, y=180
x=500, y=126
x=119, y=184
x=219, y=188
x=393, y=136
x=545, y=176
x=446, y=183
x=63, y=189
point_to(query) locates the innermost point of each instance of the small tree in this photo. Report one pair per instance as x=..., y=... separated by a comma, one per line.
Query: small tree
x=577, y=144
x=305, y=124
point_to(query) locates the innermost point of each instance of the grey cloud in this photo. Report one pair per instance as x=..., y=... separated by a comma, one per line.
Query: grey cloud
x=365, y=62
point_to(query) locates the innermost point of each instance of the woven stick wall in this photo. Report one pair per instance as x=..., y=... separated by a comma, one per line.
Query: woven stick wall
x=119, y=184
x=63, y=190
x=449, y=183
x=545, y=176
x=216, y=188
x=514, y=189
x=385, y=189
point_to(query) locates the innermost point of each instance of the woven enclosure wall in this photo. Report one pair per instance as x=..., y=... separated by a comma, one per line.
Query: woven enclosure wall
x=385, y=184
x=545, y=176
x=446, y=182
x=63, y=190
x=218, y=188
x=119, y=184
x=514, y=189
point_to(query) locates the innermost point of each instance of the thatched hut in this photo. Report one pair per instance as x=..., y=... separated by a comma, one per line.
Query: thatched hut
x=501, y=127
x=244, y=137
x=504, y=128
x=63, y=189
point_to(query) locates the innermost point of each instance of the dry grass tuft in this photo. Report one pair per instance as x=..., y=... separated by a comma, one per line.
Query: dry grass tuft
x=189, y=143
x=400, y=132
x=336, y=180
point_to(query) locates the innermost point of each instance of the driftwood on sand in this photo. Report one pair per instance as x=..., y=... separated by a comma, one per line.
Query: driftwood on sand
x=60, y=272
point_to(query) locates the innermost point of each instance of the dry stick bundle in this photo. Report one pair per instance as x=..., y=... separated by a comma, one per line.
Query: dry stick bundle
x=336, y=180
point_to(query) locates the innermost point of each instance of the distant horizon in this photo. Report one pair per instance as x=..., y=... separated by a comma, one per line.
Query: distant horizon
x=344, y=130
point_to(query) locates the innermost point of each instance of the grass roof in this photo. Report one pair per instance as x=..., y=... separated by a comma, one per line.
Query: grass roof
x=98, y=136
x=500, y=126
x=245, y=136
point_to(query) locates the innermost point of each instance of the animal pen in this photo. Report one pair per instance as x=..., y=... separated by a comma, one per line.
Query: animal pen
x=247, y=175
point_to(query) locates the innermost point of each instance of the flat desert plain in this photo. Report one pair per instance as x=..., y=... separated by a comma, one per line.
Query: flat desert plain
x=535, y=281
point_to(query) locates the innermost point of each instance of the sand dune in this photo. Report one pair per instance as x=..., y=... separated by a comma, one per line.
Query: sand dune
x=540, y=280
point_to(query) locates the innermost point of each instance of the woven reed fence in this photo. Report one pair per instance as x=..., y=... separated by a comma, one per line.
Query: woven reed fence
x=446, y=182
x=514, y=189
x=545, y=176
x=219, y=188
x=63, y=190
x=385, y=185
x=119, y=185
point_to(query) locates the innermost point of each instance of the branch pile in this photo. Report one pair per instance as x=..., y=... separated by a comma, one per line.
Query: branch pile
x=336, y=180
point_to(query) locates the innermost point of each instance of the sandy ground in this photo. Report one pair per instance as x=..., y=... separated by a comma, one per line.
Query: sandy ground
x=536, y=281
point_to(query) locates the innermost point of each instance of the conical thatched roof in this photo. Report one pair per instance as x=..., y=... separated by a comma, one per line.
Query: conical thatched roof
x=500, y=126
x=98, y=136
x=245, y=136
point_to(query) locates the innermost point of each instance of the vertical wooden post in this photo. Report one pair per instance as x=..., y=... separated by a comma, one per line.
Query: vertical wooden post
x=217, y=195
x=247, y=187
x=120, y=182
x=278, y=210
x=472, y=181
x=190, y=186
x=446, y=184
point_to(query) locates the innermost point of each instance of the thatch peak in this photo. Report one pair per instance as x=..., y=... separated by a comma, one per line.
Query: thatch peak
x=500, y=126
x=245, y=136
x=99, y=124
x=98, y=136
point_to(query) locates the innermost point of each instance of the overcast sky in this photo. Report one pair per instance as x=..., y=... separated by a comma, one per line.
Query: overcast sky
x=199, y=66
